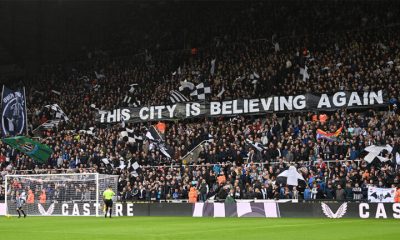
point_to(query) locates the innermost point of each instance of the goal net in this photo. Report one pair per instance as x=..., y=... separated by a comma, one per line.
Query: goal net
x=59, y=194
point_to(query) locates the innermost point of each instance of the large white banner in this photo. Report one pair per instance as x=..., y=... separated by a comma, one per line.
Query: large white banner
x=381, y=195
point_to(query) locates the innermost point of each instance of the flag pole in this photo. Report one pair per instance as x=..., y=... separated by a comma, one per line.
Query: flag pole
x=26, y=114
x=2, y=118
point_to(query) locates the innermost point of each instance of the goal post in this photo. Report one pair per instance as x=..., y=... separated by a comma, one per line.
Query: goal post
x=74, y=194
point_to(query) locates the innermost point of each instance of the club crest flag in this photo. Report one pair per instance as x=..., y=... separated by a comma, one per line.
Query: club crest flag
x=37, y=151
x=13, y=112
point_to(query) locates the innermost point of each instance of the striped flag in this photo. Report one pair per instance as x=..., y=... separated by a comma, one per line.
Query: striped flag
x=328, y=136
x=177, y=97
x=157, y=141
x=131, y=101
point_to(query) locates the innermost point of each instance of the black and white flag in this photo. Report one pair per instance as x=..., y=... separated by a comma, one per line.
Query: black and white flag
x=98, y=109
x=99, y=75
x=379, y=195
x=132, y=87
x=256, y=145
x=90, y=131
x=304, y=73
x=290, y=177
x=131, y=101
x=59, y=113
x=13, y=112
x=127, y=99
x=128, y=135
x=50, y=124
x=153, y=135
x=212, y=69
x=186, y=85
x=379, y=153
x=177, y=97
x=254, y=77
x=156, y=140
x=201, y=91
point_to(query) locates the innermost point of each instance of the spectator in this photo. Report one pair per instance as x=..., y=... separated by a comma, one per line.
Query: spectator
x=307, y=193
x=230, y=198
x=314, y=191
x=357, y=193
x=192, y=195
x=340, y=193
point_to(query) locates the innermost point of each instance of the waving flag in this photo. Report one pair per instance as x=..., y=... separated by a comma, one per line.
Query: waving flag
x=59, y=113
x=201, y=91
x=35, y=150
x=177, y=97
x=328, y=136
x=379, y=153
x=157, y=141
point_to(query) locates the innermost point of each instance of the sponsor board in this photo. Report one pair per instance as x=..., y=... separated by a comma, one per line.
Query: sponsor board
x=246, y=209
x=330, y=214
x=340, y=210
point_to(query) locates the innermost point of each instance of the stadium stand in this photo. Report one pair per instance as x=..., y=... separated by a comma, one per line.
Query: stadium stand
x=344, y=50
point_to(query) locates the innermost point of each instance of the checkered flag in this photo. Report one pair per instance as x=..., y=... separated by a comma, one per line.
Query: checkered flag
x=128, y=135
x=59, y=113
x=201, y=91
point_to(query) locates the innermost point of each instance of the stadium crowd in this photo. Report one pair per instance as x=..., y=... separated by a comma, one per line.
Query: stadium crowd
x=344, y=51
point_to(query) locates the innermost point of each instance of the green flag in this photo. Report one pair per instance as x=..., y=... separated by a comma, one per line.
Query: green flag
x=35, y=150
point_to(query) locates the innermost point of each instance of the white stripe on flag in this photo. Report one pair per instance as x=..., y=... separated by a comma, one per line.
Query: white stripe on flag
x=219, y=210
x=177, y=97
x=243, y=208
x=127, y=99
x=271, y=210
x=198, y=210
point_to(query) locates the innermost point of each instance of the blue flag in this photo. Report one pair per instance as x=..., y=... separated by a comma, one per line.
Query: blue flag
x=13, y=112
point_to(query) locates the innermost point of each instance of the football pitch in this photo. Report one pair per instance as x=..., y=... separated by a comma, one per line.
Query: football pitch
x=57, y=228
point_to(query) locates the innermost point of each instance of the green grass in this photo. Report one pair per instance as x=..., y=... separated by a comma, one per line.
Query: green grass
x=59, y=228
